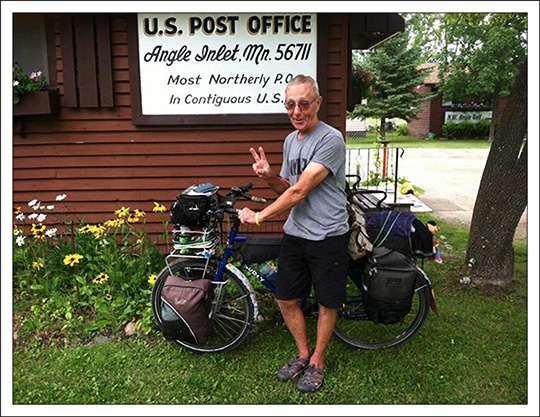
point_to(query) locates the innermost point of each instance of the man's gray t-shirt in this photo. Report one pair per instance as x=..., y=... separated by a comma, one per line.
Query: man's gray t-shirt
x=323, y=212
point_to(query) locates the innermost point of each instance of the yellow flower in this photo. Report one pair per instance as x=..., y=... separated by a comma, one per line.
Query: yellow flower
x=108, y=297
x=97, y=230
x=101, y=278
x=85, y=228
x=152, y=279
x=38, y=227
x=139, y=213
x=159, y=207
x=16, y=211
x=122, y=212
x=72, y=259
x=139, y=241
x=114, y=222
x=37, y=265
x=132, y=218
x=17, y=230
x=39, y=231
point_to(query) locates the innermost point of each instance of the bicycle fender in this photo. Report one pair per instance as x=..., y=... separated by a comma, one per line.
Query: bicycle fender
x=248, y=286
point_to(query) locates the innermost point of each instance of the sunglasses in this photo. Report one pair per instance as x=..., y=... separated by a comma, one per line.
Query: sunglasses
x=303, y=105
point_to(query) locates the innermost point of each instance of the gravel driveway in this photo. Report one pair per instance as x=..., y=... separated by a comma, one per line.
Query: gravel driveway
x=450, y=179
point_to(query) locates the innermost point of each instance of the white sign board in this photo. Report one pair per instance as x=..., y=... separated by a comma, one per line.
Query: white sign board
x=195, y=64
x=469, y=116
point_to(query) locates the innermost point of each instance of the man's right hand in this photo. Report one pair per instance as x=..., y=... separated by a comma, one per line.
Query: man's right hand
x=261, y=167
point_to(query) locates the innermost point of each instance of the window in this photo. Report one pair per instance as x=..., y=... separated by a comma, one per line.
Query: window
x=31, y=38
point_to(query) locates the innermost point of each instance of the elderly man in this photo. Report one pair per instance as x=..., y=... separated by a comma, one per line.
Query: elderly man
x=314, y=250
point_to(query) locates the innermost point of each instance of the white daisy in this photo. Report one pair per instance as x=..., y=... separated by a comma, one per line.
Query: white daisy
x=20, y=240
x=33, y=216
x=51, y=232
x=20, y=217
x=33, y=203
x=41, y=217
x=51, y=207
x=60, y=197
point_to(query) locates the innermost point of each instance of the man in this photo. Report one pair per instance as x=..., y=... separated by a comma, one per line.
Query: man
x=314, y=249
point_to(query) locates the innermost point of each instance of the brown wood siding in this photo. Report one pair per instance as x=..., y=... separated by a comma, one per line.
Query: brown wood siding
x=102, y=161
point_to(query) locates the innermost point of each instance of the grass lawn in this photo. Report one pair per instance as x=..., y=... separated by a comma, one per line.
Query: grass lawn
x=473, y=352
x=411, y=142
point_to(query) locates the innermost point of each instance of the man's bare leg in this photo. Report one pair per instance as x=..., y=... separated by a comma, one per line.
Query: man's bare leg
x=296, y=322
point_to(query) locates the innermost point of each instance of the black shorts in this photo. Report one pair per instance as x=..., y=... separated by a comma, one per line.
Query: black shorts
x=305, y=262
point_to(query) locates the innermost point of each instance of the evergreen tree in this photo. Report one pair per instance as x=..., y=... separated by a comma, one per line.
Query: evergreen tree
x=394, y=84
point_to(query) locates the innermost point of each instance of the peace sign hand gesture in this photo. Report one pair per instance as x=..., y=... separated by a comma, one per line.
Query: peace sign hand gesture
x=261, y=167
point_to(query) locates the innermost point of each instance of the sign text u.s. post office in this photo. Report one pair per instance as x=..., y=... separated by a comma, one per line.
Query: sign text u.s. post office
x=216, y=64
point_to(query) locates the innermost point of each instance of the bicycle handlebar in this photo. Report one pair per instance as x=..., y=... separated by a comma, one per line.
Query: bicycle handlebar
x=229, y=200
x=243, y=192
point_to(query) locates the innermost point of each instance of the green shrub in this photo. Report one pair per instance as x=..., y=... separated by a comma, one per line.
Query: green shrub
x=402, y=130
x=466, y=130
x=78, y=278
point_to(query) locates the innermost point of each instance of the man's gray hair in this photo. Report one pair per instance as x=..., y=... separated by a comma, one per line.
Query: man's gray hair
x=304, y=79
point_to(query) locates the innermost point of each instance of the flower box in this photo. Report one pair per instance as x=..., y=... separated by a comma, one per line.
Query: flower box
x=38, y=102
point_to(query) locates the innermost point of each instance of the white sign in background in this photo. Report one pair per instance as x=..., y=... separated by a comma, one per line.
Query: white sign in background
x=194, y=64
x=469, y=116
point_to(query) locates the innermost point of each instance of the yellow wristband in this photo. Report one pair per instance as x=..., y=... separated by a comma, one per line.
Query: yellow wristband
x=257, y=219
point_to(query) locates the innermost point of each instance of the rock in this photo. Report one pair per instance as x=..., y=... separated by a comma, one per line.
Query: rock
x=102, y=339
x=129, y=330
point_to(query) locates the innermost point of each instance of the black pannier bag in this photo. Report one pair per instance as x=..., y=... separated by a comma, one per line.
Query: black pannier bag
x=259, y=248
x=184, y=308
x=192, y=207
x=388, y=283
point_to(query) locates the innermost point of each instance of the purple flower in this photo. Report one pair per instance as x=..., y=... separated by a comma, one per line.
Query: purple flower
x=35, y=75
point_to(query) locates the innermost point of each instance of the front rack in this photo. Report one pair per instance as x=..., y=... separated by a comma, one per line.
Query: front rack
x=198, y=244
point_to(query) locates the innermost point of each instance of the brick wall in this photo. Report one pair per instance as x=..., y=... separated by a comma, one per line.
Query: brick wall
x=420, y=127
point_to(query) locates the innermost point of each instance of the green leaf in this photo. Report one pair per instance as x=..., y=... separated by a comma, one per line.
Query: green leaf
x=103, y=310
x=99, y=324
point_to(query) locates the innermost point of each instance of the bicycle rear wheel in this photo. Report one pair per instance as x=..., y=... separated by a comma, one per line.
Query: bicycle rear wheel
x=355, y=329
x=231, y=316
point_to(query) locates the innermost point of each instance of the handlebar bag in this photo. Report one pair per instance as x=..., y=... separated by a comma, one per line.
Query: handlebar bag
x=259, y=249
x=184, y=309
x=192, y=207
x=388, y=283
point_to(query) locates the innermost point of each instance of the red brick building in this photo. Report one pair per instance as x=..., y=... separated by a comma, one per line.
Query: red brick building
x=431, y=116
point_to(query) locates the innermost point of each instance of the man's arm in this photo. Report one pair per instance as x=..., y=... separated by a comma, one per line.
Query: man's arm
x=278, y=184
x=262, y=168
x=312, y=176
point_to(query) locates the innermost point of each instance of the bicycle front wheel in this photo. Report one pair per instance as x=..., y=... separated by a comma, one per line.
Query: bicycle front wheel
x=355, y=329
x=231, y=314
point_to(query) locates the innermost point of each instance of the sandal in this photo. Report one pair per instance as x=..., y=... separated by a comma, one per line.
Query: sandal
x=312, y=380
x=295, y=367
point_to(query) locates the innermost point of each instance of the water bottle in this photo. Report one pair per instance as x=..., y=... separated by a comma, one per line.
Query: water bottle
x=268, y=270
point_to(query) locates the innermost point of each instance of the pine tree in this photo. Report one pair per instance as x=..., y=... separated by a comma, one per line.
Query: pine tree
x=395, y=78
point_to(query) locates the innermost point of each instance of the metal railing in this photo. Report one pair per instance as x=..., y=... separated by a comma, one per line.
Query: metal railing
x=377, y=168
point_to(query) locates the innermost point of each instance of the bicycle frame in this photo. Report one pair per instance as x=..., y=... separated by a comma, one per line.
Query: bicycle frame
x=230, y=251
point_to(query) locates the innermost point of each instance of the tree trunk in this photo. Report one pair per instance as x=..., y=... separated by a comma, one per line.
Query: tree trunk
x=502, y=196
x=382, y=129
x=493, y=119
